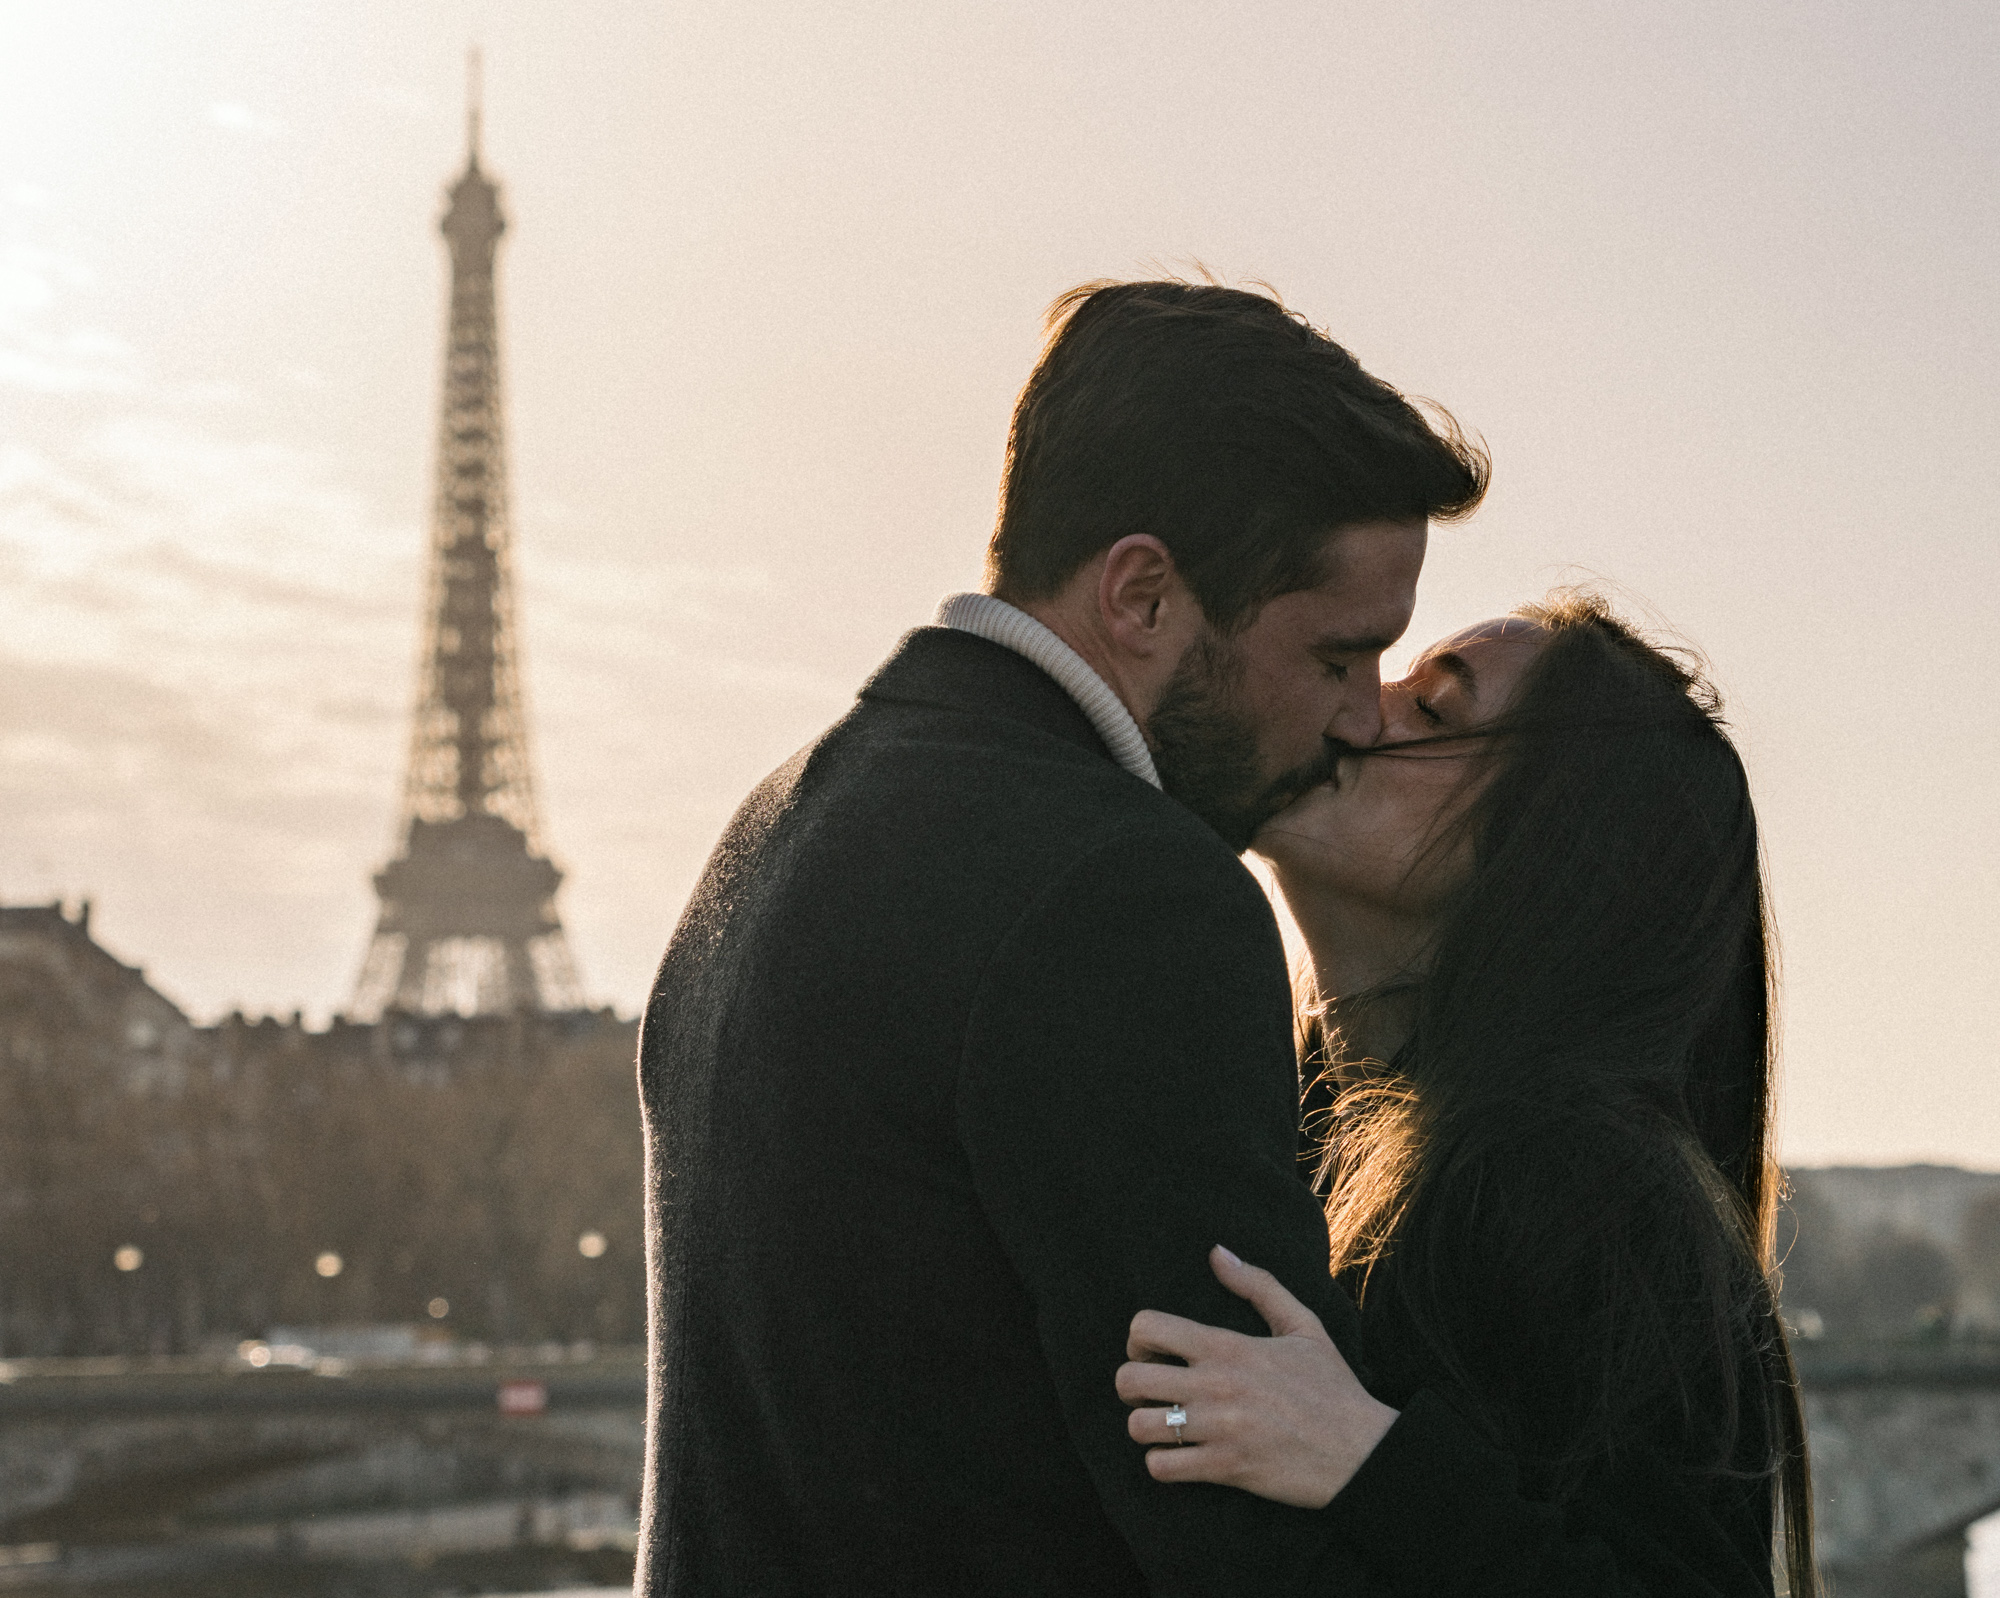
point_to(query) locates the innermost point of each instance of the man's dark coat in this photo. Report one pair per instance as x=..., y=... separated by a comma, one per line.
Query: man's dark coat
x=969, y=1045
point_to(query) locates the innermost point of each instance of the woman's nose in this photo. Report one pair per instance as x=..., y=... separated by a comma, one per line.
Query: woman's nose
x=1399, y=712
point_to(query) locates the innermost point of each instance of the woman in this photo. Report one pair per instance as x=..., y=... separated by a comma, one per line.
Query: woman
x=1537, y=928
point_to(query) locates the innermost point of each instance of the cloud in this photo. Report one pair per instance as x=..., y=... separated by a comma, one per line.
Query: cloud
x=75, y=718
x=402, y=98
x=207, y=652
x=781, y=679
x=205, y=647
x=222, y=855
x=43, y=359
x=239, y=118
x=148, y=531
x=154, y=502
x=203, y=689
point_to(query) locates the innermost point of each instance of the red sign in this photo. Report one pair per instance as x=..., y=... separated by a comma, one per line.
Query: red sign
x=523, y=1398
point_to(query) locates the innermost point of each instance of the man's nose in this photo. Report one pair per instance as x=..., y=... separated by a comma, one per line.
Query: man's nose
x=1359, y=718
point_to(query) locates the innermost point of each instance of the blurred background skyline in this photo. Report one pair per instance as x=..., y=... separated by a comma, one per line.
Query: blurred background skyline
x=1716, y=284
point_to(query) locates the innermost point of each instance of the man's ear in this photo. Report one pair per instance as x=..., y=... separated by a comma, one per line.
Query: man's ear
x=1141, y=601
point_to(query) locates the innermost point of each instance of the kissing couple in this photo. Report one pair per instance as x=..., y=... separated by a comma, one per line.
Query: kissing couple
x=1015, y=1228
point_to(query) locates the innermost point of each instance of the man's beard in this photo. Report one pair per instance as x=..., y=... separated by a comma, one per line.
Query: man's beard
x=1205, y=747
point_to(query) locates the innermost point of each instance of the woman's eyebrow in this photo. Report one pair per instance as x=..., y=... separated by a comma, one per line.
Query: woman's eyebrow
x=1453, y=664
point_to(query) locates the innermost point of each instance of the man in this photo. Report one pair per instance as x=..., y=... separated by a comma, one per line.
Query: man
x=976, y=1036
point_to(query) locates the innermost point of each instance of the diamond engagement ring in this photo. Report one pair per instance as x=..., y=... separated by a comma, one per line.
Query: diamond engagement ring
x=1176, y=1420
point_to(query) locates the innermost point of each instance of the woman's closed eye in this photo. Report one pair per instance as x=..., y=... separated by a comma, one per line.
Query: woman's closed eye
x=1427, y=710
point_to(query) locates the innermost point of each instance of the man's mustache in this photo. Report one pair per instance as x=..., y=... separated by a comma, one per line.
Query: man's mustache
x=1301, y=780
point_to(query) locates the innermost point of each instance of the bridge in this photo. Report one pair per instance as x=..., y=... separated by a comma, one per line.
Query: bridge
x=172, y=1478
x=176, y=1478
x=1905, y=1455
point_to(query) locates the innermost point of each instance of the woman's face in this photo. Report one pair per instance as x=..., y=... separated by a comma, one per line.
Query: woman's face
x=1364, y=838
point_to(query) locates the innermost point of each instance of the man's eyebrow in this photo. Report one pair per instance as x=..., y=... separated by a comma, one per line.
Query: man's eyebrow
x=1338, y=644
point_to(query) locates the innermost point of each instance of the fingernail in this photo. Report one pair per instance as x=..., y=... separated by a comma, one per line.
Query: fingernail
x=1226, y=1254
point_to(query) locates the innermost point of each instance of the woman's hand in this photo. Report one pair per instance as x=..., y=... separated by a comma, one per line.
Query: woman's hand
x=1280, y=1416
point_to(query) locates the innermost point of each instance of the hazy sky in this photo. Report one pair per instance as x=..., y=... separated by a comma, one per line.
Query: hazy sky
x=1716, y=282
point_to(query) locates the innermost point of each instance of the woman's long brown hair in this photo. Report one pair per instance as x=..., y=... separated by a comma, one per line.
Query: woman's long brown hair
x=1561, y=1189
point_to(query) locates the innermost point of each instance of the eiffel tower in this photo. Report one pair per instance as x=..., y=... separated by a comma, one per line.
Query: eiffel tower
x=468, y=922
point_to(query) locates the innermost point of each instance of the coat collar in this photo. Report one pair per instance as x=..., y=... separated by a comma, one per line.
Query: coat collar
x=948, y=669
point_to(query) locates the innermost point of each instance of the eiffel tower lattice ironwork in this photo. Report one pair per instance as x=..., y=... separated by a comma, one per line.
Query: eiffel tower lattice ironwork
x=468, y=920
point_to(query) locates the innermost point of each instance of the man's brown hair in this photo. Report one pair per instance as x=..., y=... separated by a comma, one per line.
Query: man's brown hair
x=1226, y=427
